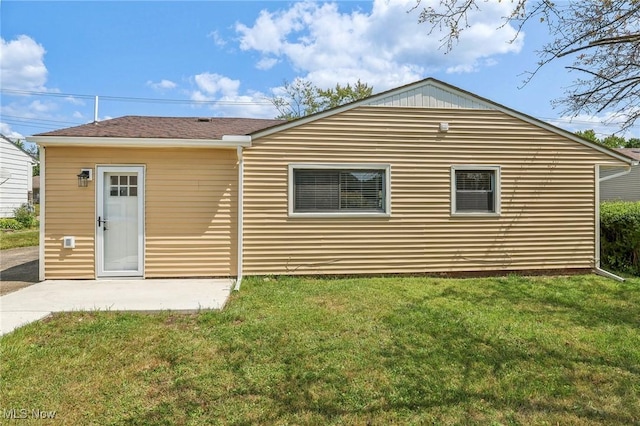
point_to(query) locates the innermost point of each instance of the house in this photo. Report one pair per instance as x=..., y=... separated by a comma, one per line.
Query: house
x=16, y=171
x=36, y=189
x=621, y=184
x=425, y=178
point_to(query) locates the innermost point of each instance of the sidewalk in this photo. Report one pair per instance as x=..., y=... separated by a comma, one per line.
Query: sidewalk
x=40, y=300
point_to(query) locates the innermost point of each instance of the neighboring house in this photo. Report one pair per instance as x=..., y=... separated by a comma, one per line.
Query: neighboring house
x=16, y=171
x=36, y=189
x=620, y=185
x=425, y=178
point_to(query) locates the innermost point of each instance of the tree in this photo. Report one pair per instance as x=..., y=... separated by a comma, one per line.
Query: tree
x=589, y=135
x=611, y=141
x=302, y=98
x=602, y=38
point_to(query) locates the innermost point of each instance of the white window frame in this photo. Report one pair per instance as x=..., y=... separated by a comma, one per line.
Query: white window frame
x=340, y=166
x=497, y=190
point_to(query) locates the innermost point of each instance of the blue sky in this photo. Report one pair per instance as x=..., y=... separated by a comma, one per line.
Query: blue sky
x=160, y=57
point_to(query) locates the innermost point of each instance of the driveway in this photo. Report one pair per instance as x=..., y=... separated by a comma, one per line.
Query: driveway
x=40, y=300
x=18, y=268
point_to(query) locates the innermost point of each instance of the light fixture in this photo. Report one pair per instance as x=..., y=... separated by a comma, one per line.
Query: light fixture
x=444, y=127
x=84, y=177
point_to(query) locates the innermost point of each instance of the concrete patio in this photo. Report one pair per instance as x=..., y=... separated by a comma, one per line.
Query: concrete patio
x=42, y=299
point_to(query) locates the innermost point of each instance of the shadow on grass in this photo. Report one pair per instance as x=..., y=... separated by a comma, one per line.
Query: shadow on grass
x=454, y=356
x=592, y=303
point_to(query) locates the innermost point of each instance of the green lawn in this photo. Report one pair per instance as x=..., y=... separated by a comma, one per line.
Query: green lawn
x=28, y=238
x=350, y=351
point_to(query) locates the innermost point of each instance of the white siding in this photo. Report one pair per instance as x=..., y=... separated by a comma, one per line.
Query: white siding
x=623, y=188
x=429, y=96
x=15, y=177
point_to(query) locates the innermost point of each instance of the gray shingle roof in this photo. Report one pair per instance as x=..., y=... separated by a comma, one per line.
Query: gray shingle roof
x=630, y=152
x=166, y=127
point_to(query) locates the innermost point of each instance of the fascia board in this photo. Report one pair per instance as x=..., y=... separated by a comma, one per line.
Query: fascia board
x=227, y=141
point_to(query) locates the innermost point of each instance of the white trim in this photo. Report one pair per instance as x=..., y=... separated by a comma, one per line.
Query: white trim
x=227, y=141
x=497, y=196
x=596, y=197
x=596, y=217
x=340, y=166
x=615, y=175
x=608, y=274
x=240, y=217
x=99, y=190
x=242, y=140
x=597, y=268
x=43, y=210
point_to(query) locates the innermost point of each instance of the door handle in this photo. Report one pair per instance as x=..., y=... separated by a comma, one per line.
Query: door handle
x=102, y=222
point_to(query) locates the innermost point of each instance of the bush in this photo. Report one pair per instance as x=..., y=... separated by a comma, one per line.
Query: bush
x=25, y=215
x=10, y=223
x=620, y=236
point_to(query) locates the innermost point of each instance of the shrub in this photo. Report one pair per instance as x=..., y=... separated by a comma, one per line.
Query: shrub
x=620, y=236
x=25, y=215
x=10, y=223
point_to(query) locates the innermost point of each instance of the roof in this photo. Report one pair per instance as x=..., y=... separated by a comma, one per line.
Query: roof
x=132, y=126
x=630, y=152
x=462, y=100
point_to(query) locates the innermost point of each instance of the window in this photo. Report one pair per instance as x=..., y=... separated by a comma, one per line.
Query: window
x=123, y=186
x=337, y=189
x=475, y=190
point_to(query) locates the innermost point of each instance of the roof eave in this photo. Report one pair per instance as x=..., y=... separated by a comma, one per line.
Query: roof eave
x=227, y=141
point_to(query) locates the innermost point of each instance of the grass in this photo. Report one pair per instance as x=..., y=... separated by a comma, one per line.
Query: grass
x=26, y=238
x=22, y=238
x=347, y=351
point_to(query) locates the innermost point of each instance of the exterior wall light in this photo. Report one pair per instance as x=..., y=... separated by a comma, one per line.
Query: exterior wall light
x=444, y=127
x=84, y=177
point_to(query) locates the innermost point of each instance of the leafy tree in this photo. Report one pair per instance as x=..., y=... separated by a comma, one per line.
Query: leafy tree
x=302, y=98
x=601, y=36
x=611, y=141
x=589, y=135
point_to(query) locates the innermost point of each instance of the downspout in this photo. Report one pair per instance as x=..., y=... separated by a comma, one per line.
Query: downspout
x=240, y=216
x=598, y=179
x=43, y=210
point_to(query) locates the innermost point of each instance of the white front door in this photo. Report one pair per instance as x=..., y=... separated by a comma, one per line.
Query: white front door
x=120, y=221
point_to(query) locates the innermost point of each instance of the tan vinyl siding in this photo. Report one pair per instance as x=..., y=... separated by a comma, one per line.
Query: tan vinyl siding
x=190, y=207
x=547, y=182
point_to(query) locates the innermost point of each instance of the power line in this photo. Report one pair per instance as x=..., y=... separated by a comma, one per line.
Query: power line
x=31, y=119
x=135, y=99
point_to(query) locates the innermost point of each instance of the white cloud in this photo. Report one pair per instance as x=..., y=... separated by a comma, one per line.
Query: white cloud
x=217, y=38
x=74, y=101
x=222, y=95
x=39, y=107
x=385, y=47
x=266, y=63
x=78, y=114
x=212, y=85
x=6, y=130
x=22, y=64
x=162, y=85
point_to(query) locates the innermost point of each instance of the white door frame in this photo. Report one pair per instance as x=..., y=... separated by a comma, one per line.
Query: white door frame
x=99, y=260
